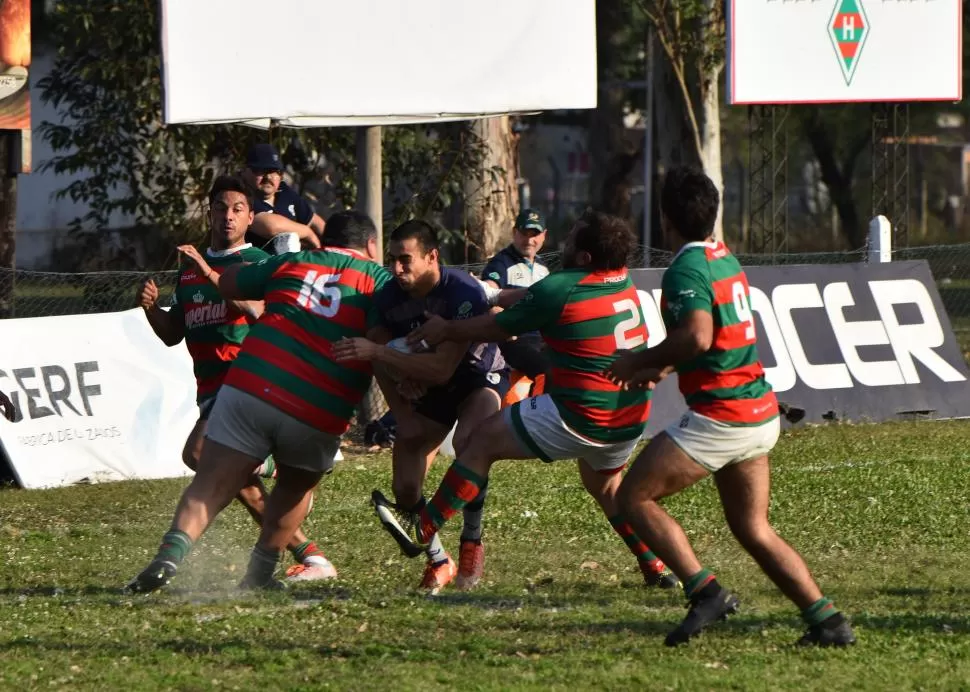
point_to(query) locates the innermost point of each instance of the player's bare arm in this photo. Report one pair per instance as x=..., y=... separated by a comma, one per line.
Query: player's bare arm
x=431, y=368
x=436, y=330
x=253, y=308
x=501, y=298
x=229, y=287
x=168, y=326
x=268, y=225
x=510, y=296
x=395, y=392
x=317, y=224
x=692, y=337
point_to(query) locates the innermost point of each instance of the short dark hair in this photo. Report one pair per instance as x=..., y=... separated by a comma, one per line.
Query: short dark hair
x=609, y=240
x=420, y=230
x=350, y=229
x=690, y=201
x=230, y=183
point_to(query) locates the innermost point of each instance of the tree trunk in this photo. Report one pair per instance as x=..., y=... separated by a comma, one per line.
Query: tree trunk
x=492, y=197
x=675, y=141
x=710, y=155
x=687, y=107
x=8, y=224
x=838, y=179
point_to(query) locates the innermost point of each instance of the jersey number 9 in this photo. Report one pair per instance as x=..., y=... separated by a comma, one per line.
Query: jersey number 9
x=742, y=306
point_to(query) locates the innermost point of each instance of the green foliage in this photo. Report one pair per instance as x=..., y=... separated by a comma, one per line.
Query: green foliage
x=131, y=169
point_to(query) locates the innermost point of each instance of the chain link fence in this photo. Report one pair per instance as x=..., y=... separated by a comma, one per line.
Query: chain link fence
x=950, y=265
x=46, y=294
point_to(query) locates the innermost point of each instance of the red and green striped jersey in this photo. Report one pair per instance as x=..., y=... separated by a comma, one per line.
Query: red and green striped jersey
x=727, y=383
x=313, y=299
x=213, y=330
x=585, y=317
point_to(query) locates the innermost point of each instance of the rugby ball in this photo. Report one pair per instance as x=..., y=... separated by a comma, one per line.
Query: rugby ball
x=400, y=344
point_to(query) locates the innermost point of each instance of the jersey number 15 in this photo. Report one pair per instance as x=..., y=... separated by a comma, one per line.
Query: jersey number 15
x=320, y=294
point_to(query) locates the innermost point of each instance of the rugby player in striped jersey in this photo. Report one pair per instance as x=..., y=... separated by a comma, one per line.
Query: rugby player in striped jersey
x=213, y=330
x=731, y=424
x=284, y=395
x=585, y=312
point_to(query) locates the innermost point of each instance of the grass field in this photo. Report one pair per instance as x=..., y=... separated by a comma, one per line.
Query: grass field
x=880, y=512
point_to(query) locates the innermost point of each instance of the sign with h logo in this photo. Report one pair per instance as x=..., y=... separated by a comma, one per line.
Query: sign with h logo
x=844, y=51
x=849, y=29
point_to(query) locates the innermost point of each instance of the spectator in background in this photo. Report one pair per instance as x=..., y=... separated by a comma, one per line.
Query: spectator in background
x=278, y=208
x=519, y=266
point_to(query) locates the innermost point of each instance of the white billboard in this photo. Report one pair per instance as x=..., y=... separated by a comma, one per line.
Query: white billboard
x=316, y=63
x=833, y=51
x=100, y=399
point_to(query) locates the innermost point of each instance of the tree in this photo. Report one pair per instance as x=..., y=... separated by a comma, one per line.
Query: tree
x=691, y=36
x=106, y=81
x=491, y=196
x=838, y=158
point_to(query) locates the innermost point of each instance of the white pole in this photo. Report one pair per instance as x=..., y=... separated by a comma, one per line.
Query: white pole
x=370, y=178
x=648, y=153
x=880, y=240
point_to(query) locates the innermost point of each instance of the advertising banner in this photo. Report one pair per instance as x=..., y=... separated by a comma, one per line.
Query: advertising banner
x=846, y=342
x=98, y=398
x=829, y=51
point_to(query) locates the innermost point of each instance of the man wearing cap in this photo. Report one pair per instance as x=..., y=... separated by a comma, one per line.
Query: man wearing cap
x=278, y=208
x=518, y=266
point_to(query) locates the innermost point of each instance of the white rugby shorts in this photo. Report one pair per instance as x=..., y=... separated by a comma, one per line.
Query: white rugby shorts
x=541, y=431
x=714, y=444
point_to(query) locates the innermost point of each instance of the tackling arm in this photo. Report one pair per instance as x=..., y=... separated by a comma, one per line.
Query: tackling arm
x=481, y=329
x=426, y=368
x=267, y=225
x=692, y=337
x=251, y=308
x=317, y=224
x=431, y=368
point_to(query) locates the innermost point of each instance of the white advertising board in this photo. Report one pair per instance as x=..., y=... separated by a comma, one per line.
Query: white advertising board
x=831, y=51
x=313, y=63
x=100, y=398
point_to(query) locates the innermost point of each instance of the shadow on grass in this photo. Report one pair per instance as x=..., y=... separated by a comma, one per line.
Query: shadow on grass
x=252, y=649
x=746, y=625
x=59, y=591
x=923, y=592
x=319, y=593
x=246, y=649
x=562, y=594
